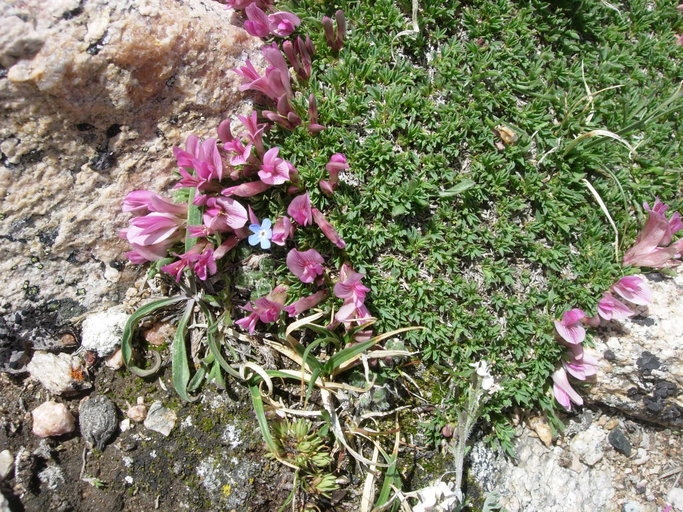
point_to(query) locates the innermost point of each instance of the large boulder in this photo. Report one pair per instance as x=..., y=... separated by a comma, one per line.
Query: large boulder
x=93, y=96
x=641, y=358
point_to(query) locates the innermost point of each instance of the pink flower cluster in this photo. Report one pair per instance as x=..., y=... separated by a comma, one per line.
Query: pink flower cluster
x=260, y=24
x=572, y=332
x=239, y=155
x=275, y=83
x=654, y=247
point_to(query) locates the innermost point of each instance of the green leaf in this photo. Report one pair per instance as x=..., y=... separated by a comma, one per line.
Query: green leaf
x=179, y=363
x=458, y=189
x=129, y=331
x=257, y=402
x=194, y=218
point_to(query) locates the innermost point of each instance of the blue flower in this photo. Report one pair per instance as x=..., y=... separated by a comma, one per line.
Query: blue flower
x=262, y=234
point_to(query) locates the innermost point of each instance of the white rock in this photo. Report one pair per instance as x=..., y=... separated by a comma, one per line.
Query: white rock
x=539, y=481
x=160, y=419
x=6, y=463
x=114, y=361
x=102, y=332
x=60, y=374
x=675, y=498
x=631, y=506
x=52, y=419
x=589, y=445
x=4, y=504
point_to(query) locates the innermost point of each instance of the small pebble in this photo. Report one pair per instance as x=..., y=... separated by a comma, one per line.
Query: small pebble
x=160, y=419
x=114, y=361
x=138, y=412
x=159, y=334
x=52, y=419
x=619, y=442
x=631, y=506
x=97, y=417
x=6, y=464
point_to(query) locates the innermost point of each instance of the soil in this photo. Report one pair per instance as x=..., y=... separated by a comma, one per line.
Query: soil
x=212, y=460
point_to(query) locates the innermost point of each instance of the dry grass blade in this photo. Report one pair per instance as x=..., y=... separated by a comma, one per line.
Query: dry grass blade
x=368, y=495
x=339, y=432
x=609, y=217
x=600, y=133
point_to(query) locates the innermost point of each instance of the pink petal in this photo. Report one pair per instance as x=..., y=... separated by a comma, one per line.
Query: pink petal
x=300, y=210
x=633, y=289
x=610, y=308
x=246, y=189
x=563, y=391
x=327, y=229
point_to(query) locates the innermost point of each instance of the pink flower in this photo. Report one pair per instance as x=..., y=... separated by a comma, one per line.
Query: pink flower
x=266, y=309
x=327, y=228
x=335, y=39
x=653, y=247
x=205, y=265
x=274, y=170
x=301, y=305
x=570, y=328
x=300, y=210
x=240, y=153
x=282, y=230
x=337, y=163
x=254, y=130
x=633, y=289
x=283, y=23
x=580, y=364
x=306, y=265
x=177, y=268
x=273, y=84
x=154, y=228
x=300, y=55
x=142, y=202
x=257, y=24
x=563, y=391
x=224, y=214
x=144, y=253
x=351, y=312
x=349, y=285
x=243, y=4
x=204, y=158
x=610, y=308
x=313, y=126
x=246, y=189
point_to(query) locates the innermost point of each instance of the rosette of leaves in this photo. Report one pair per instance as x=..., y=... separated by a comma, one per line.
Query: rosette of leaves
x=299, y=445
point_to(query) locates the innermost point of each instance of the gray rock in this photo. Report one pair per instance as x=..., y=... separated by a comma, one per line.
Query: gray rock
x=619, y=442
x=102, y=332
x=4, y=504
x=589, y=445
x=6, y=464
x=98, y=422
x=160, y=419
x=643, y=375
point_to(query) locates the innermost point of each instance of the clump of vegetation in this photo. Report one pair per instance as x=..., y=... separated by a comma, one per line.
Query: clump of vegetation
x=475, y=170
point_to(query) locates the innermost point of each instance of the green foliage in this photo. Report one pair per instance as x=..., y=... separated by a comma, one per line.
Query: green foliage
x=483, y=245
